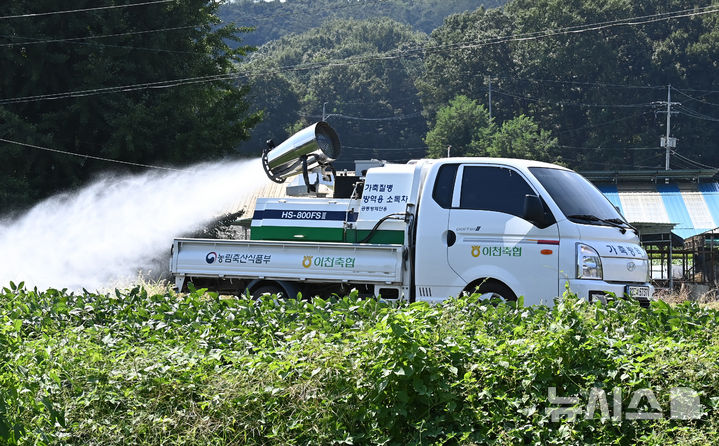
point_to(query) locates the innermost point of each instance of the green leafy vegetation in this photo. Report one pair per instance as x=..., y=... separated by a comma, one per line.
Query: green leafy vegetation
x=466, y=127
x=153, y=369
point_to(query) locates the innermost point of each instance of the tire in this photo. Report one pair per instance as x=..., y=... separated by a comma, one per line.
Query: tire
x=493, y=290
x=268, y=289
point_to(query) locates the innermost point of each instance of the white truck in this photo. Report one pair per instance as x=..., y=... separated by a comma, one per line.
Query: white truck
x=425, y=231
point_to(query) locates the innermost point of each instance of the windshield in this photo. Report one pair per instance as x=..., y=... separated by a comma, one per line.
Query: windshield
x=575, y=195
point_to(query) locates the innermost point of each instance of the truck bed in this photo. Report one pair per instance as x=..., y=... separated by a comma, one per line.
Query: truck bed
x=290, y=261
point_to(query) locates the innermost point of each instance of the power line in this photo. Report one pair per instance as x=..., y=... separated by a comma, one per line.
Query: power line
x=607, y=148
x=695, y=114
x=695, y=90
x=72, y=11
x=31, y=40
x=341, y=102
x=636, y=165
x=475, y=74
x=569, y=103
x=387, y=149
x=105, y=45
x=701, y=101
x=656, y=159
x=121, y=88
x=272, y=18
x=603, y=123
x=47, y=149
x=37, y=40
x=81, y=40
x=681, y=164
x=577, y=29
x=389, y=55
x=593, y=84
x=359, y=118
x=696, y=163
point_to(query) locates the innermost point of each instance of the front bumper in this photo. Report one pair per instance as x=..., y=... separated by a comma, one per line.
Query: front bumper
x=593, y=290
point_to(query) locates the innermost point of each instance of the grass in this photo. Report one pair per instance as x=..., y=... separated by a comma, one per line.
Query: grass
x=156, y=368
x=708, y=298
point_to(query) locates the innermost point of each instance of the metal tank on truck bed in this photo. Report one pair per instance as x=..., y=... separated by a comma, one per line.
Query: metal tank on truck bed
x=425, y=230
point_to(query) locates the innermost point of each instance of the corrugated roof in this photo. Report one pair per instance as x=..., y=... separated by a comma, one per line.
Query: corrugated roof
x=610, y=191
x=693, y=208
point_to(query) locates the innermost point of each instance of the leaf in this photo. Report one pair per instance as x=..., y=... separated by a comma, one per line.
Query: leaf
x=397, y=329
x=4, y=428
x=661, y=305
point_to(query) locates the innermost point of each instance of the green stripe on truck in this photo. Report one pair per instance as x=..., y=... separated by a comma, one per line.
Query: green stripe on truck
x=298, y=234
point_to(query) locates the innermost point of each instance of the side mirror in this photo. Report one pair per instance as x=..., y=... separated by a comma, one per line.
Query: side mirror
x=534, y=211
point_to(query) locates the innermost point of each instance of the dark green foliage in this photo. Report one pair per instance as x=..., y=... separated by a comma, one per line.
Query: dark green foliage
x=584, y=99
x=131, y=367
x=594, y=90
x=467, y=128
x=521, y=137
x=373, y=105
x=273, y=20
x=464, y=125
x=163, y=42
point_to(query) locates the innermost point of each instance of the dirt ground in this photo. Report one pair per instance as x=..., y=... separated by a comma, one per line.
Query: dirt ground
x=703, y=294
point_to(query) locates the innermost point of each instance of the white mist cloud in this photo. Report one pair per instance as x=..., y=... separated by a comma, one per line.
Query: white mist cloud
x=104, y=233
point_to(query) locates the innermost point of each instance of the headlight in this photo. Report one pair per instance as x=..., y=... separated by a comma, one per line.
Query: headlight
x=589, y=265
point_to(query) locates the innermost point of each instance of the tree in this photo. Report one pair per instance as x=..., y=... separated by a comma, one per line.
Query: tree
x=371, y=101
x=595, y=87
x=453, y=70
x=272, y=96
x=143, y=84
x=521, y=137
x=276, y=19
x=464, y=125
x=574, y=81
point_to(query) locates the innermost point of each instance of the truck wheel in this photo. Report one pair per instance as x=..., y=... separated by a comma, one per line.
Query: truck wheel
x=489, y=290
x=267, y=289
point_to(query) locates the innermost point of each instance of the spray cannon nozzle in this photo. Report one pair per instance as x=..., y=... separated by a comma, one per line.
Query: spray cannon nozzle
x=312, y=147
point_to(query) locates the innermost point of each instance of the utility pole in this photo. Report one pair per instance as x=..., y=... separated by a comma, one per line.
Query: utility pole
x=669, y=124
x=668, y=142
x=490, y=99
x=323, y=111
x=448, y=149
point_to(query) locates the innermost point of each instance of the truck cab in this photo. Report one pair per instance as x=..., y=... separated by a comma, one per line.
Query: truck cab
x=522, y=228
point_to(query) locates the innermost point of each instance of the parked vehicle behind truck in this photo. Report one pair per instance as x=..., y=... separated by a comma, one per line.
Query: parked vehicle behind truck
x=425, y=230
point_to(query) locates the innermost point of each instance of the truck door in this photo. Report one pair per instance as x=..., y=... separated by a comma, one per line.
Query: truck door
x=435, y=280
x=492, y=240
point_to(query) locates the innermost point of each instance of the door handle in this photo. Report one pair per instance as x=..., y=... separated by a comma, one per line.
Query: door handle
x=451, y=238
